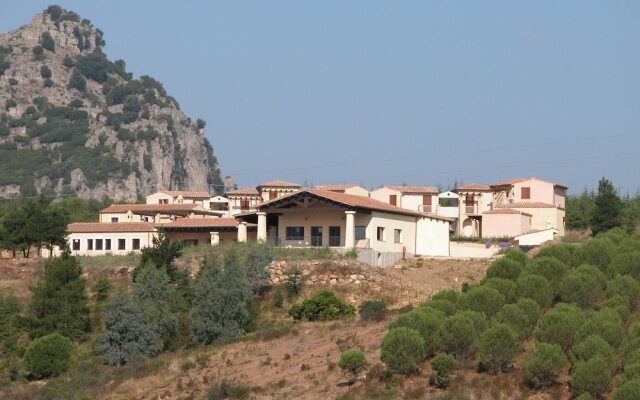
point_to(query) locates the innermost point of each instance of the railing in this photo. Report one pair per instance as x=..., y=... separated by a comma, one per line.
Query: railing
x=313, y=241
x=471, y=209
x=425, y=208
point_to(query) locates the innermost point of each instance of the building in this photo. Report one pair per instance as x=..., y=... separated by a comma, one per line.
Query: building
x=315, y=217
x=179, y=197
x=274, y=189
x=243, y=200
x=155, y=213
x=347, y=188
x=95, y=238
x=421, y=199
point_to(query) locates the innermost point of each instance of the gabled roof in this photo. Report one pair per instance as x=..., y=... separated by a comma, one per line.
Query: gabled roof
x=153, y=208
x=248, y=191
x=508, y=182
x=404, y=189
x=186, y=194
x=505, y=211
x=278, y=183
x=473, y=186
x=201, y=223
x=334, y=188
x=107, y=227
x=527, y=204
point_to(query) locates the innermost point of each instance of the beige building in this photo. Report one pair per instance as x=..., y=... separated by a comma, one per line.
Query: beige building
x=243, y=200
x=211, y=231
x=91, y=238
x=348, y=189
x=154, y=213
x=179, y=197
x=274, y=189
x=423, y=199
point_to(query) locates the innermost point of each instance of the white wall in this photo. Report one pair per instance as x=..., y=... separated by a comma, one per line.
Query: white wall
x=406, y=223
x=146, y=240
x=156, y=197
x=536, y=238
x=432, y=237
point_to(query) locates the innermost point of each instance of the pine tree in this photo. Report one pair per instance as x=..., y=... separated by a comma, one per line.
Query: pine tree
x=607, y=213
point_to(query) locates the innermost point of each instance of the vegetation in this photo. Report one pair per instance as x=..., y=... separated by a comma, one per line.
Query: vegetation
x=352, y=362
x=497, y=345
x=323, y=306
x=542, y=366
x=47, y=43
x=48, y=355
x=402, y=349
x=443, y=364
x=373, y=310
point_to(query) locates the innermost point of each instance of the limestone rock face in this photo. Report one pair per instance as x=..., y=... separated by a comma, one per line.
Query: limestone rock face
x=117, y=137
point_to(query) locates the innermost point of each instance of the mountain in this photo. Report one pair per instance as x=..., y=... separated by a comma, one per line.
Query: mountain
x=74, y=122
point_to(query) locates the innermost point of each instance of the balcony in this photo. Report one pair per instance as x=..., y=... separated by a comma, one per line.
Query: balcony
x=471, y=209
x=426, y=208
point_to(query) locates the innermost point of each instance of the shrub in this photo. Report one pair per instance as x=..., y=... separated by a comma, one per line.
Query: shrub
x=513, y=316
x=48, y=355
x=595, y=346
x=68, y=62
x=592, y=376
x=550, y=268
x=543, y=365
x=225, y=390
x=101, y=288
x=531, y=309
x=516, y=255
x=459, y=332
x=352, y=362
x=558, y=326
x=323, y=306
x=505, y=268
x=620, y=305
x=444, y=306
x=77, y=81
x=482, y=299
x=497, y=346
x=625, y=286
x=583, y=286
x=607, y=324
x=535, y=287
x=48, y=83
x=373, y=310
x=45, y=72
x=293, y=285
x=426, y=322
x=505, y=287
x=449, y=295
x=631, y=372
x=631, y=351
x=46, y=41
x=129, y=333
x=562, y=252
x=94, y=66
x=256, y=267
x=402, y=349
x=597, y=252
x=629, y=390
x=10, y=104
x=443, y=364
x=627, y=263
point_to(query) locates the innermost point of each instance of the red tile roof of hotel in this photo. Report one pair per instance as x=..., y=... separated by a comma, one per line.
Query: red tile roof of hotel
x=227, y=222
x=187, y=194
x=152, y=208
x=527, y=204
x=279, y=183
x=336, y=187
x=107, y=227
x=505, y=211
x=473, y=186
x=414, y=189
x=508, y=182
x=248, y=191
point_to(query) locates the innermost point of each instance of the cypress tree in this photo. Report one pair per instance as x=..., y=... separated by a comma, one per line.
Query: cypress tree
x=607, y=213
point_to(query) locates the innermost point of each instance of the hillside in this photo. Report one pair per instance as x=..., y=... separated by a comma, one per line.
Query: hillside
x=74, y=122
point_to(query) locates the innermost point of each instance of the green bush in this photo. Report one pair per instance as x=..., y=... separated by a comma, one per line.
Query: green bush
x=352, y=362
x=631, y=372
x=424, y=320
x=559, y=326
x=531, y=309
x=225, y=390
x=483, y=299
x=460, y=331
x=497, y=346
x=597, y=252
x=45, y=72
x=629, y=390
x=402, y=349
x=607, y=324
x=48, y=83
x=48, y=355
x=625, y=286
x=513, y=316
x=584, y=286
x=505, y=287
x=443, y=364
x=562, y=252
x=595, y=346
x=592, y=376
x=68, y=62
x=505, y=268
x=94, y=66
x=627, y=263
x=550, y=268
x=542, y=366
x=10, y=104
x=323, y=306
x=620, y=305
x=449, y=295
x=630, y=353
x=46, y=41
x=373, y=310
x=535, y=287
x=516, y=255
x=77, y=81
x=442, y=305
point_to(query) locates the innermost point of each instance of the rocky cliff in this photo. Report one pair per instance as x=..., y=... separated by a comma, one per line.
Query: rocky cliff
x=74, y=122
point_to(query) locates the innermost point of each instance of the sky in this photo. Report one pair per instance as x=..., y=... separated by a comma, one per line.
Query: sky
x=381, y=92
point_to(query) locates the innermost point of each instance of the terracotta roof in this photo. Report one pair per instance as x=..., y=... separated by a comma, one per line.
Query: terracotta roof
x=106, y=227
x=527, y=204
x=404, y=189
x=278, y=183
x=201, y=223
x=336, y=187
x=505, y=211
x=152, y=208
x=187, y=194
x=249, y=191
x=508, y=182
x=473, y=186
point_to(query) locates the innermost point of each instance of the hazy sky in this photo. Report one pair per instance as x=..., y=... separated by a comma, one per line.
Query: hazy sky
x=424, y=92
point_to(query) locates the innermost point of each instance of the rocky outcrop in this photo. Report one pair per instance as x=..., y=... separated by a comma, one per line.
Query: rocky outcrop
x=323, y=272
x=72, y=121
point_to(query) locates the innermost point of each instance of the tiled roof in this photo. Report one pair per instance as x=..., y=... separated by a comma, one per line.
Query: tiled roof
x=249, y=191
x=508, y=182
x=473, y=186
x=106, y=227
x=187, y=194
x=336, y=187
x=505, y=211
x=278, y=183
x=201, y=223
x=414, y=189
x=152, y=208
x=527, y=204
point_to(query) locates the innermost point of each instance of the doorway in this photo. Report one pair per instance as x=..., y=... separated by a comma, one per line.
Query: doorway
x=316, y=236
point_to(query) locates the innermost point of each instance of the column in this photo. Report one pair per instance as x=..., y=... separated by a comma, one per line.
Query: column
x=262, y=227
x=242, y=232
x=215, y=238
x=350, y=234
x=157, y=218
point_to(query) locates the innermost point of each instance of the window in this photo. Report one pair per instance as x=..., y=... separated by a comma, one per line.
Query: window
x=163, y=201
x=122, y=244
x=107, y=244
x=295, y=233
x=393, y=199
x=426, y=203
x=99, y=244
x=525, y=193
x=273, y=195
x=334, y=236
x=89, y=244
x=380, y=233
x=190, y=242
x=244, y=204
x=135, y=244
x=115, y=219
x=361, y=232
x=75, y=244
x=397, y=235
